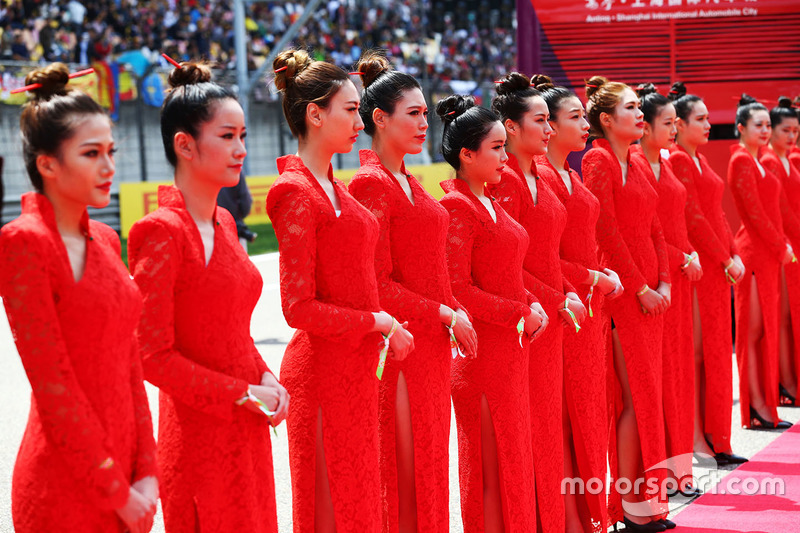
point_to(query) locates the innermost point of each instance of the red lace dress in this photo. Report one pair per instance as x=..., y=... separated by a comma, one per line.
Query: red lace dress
x=329, y=292
x=711, y=235
x=485, y=261
x=632, y=244
x=790, y=208
x=678, y=340
x=586, y=359
x=89, y=435
x=762, y=244
x=195, y=342
x=544, y=221
x=794, y=157
x=411, y=267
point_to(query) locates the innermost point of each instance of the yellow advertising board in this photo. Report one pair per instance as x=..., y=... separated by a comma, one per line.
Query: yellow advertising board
x=138, y=199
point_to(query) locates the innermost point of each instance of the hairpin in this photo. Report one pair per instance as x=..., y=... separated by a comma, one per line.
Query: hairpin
x=498, y=82
x=39, y=85
x=450, y=113
x=281, y=69
x=174, y=63
x=356, y=73
x=592, y=86
x=673, y=91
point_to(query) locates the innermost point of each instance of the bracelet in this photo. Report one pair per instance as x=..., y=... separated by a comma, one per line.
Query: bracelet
x=688, y=262
x=595, y=281
x=521, y=329
x=596, y=278
x=571, y=315
x=455, y=349
x=728, y=276
x=385, y=349
x=643, y=290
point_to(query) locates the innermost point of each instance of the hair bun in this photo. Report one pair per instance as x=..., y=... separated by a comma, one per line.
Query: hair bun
x=678, y=90
x=785, y=101
x=746, y=99
x=372, y=65
x=593, y=84
x=512, y=82
x=453, y=107
x=644, y=89
x=190, y=73
x=288, y=65
x=542, y=82
x=52, y=78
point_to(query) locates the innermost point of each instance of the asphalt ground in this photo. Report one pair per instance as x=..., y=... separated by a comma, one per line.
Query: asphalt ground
x=271, y=334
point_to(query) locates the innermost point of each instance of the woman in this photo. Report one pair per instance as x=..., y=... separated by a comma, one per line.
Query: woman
x=531, y=203
x=684, y=270
x=794, y=153
x=631, y=242
x=413, y=282
x=785, y=129
x=764, y=248
x=199, y=290
x=710, y=234
x=330, y=294
x=485, y=252
x=87, y=459
x=586, y=360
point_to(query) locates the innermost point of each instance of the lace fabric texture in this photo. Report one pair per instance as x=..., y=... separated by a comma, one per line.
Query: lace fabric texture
x=89, y=433
x=195, y=341
x=329, y=292
x=485, y=262
x=794, y=157
x=413, y=281
x=632, y=244
x=585, y=354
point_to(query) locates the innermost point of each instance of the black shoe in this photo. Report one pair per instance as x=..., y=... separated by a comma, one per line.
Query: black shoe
x=783, y=424
x=758, y=422
x=691, y=492
x=669, y=524
x=732, y=458
x=786, y=399
x=650, y=527
x=720, y=458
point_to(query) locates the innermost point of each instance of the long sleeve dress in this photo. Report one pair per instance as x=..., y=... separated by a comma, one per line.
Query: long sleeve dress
x=194, y=337
x=790, y=210
x=632, y=244
x=485, y=263
x=413, y=282
x=762, y=244
x=678, y=340
x=586, y=359
x=711, y=235
x=89, y=434
x=329, y=292
x=794, y=157
x=544, y=222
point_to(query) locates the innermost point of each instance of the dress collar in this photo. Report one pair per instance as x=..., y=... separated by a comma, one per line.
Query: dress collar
x=513, y=164
x=369, y=157
x=38, y=204
x=288, y=163
x=171, y=196
x=605, y=145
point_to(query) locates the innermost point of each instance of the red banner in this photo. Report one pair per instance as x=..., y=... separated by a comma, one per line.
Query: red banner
x=610, y=11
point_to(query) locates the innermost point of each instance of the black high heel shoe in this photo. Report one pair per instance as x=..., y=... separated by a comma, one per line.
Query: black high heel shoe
x=757, y=421
x=669, y=524
x=786, y=399
x=723, y=458
x=650, y=527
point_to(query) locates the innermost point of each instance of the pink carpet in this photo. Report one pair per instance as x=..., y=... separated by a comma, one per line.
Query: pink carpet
x=751, y=498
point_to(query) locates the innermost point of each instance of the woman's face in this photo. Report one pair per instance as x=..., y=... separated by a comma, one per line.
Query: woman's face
x=534, y=127
x=406, y=127
x=220, y=145
x=627, y=121
x=756, y=132
x=784, y=135
x=570, y=127
x=695, y=130
x=83, y=170
x=340, y=122
x=485, y=164
x=662, y=131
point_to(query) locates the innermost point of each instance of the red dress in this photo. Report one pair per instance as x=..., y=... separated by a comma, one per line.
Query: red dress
x=329, y=292
x=790, y=208
x=678, y=339
x=794, y=157
x=544, y=221
x=89, y=435
x=485, y=262
x=194, y=336
x=712, y=237
x=762, y=244
x=586, y=359
x=632, y=245
x=411, y=267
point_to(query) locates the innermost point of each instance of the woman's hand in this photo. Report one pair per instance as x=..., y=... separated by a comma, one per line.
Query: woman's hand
x=277, y=397
x=692, y=269
x=736, y=269
x=465, y=333
x=788, y=256
x=574, y=304
x=665, y=290
x=148, y=487
x=651, y=301
x=534, y=324
x=137, y=513
x=609, y=278
x=401, y=343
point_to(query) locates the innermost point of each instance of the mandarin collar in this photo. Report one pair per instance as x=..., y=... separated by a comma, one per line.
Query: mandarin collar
x=513, y=164
x=459, y=185
x=38, y=204
x=600, y=142
x=293, y=162
x=171, y=196
x=370, y=157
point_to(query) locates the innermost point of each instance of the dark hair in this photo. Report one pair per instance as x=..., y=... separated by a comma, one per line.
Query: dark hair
x=782, y=111
x=49, y=117
x=652, y=101
x=383, y=86
x=603, y=97
x=684, y=103
x=553, y=95
x=304, y=81
x=747, y=106
x=189, y=103
x=465, y=126
x=511, y=101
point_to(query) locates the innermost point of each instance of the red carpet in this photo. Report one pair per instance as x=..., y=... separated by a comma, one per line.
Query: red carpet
x=751, y=498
